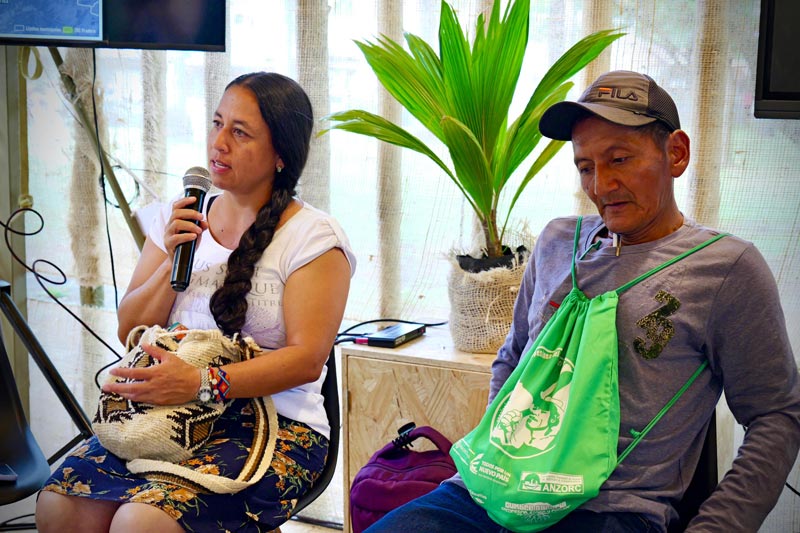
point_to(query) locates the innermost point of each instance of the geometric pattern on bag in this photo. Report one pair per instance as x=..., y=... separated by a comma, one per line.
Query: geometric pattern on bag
x=153, y=438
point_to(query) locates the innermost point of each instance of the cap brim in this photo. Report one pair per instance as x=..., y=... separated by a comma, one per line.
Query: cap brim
x=559, y=119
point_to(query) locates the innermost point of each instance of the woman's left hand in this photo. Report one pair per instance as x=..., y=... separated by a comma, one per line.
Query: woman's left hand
x=171, y=382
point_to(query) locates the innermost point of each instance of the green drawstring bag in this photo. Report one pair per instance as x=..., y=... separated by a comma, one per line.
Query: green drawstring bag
x=549, y=439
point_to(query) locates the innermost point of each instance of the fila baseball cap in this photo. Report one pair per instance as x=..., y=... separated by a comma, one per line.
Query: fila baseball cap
x=621, y=96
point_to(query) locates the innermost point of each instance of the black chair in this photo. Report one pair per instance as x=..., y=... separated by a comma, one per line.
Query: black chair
x=330, y=393
x=18, y=447
x=703, y=482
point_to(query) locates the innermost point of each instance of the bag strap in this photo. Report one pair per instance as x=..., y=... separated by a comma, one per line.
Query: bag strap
x=639, y=435
x=647, y=274
x=409, y=433
x=260, y=453
x=670, y=262
x=441, y=442
x=575, y=250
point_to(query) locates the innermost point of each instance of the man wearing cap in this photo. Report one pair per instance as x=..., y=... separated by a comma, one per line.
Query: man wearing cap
x=720, y=304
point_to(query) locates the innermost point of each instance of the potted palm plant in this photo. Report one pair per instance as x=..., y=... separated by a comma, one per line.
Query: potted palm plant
x=463, y=95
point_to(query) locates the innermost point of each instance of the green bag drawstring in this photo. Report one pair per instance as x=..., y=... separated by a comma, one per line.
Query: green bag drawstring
x=638, y=436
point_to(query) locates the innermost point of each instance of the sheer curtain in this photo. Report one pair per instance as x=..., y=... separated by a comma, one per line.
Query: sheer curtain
x=402, y=214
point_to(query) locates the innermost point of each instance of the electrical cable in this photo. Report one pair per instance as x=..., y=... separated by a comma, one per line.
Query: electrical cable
x=103, y=182
x=40, y=278
x=136, y=193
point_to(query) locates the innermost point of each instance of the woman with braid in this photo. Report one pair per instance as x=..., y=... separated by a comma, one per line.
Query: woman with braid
x=267, y=265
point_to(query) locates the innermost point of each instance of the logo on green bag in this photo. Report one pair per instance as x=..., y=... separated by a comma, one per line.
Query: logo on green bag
x=537, y=512
x=525, y=424
x=543, y=353
x=488, y=470
x=551, y=483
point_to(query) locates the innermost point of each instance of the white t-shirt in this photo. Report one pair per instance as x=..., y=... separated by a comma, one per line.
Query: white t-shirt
x=304, y=237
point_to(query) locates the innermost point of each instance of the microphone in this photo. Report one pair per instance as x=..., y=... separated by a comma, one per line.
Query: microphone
x=196, y=183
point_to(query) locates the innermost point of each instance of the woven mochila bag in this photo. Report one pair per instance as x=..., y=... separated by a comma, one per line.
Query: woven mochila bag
x=154, y=438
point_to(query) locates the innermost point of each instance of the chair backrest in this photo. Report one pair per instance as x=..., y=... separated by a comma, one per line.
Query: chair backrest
x=48, y=369
x=330, y=394
x=18, y=447
x=703, y=482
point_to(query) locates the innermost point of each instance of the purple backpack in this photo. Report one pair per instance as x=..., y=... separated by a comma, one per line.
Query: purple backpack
x=396, y=475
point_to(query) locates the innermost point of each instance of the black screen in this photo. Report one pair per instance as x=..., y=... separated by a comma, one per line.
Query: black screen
x=778, y=72
x=165, y=24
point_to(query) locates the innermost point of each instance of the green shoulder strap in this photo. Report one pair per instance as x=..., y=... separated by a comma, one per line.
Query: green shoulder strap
x=575, y=251
x=670, y=262
x=639, y=435
x=647, y=274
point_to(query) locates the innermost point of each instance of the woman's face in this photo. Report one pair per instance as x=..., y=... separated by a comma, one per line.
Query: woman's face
x=241, y=157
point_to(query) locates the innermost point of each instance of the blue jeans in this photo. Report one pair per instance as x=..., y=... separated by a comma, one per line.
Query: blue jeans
x=449, y=508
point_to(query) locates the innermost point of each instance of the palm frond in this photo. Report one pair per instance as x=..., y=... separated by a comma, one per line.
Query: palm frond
x=547, y=154
x=456, y=59
x=471, y=165
x=463, y=95
x=572, y=61
x=428, y=61
x=371, y=125
x=524, y=135
x=416, y=88
x=480, y=83
x=497, y=64
x=375, y=126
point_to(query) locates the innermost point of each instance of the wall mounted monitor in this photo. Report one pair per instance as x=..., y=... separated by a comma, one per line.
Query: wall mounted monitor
x=778, y=68
x=72, y=22
x=165, y=24
x=143, y=24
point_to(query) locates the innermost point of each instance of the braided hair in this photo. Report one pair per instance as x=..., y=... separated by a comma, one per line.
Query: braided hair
x=286, y=109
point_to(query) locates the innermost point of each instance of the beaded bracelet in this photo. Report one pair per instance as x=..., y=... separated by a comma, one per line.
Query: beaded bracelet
x=220, y=385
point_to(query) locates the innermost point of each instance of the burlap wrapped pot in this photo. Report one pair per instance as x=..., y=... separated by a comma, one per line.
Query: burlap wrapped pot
x=482, y=305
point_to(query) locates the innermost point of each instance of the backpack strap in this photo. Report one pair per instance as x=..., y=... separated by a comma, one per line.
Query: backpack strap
x=670, y=262
x=441, y=442
x=639, y=435
x=575, y=251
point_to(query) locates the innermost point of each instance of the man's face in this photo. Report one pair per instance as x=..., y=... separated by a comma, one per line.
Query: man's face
x=629, y=177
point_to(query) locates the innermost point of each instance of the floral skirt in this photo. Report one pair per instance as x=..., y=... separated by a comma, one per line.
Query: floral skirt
x=91, y=471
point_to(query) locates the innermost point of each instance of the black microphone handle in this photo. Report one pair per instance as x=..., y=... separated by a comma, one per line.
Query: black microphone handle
x=184, y=253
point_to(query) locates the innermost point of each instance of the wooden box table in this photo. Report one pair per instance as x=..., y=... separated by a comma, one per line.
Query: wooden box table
x=425, y=381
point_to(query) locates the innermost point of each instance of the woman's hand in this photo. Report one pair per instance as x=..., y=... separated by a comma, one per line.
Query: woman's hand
x=172, y=382
x=181, y=226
